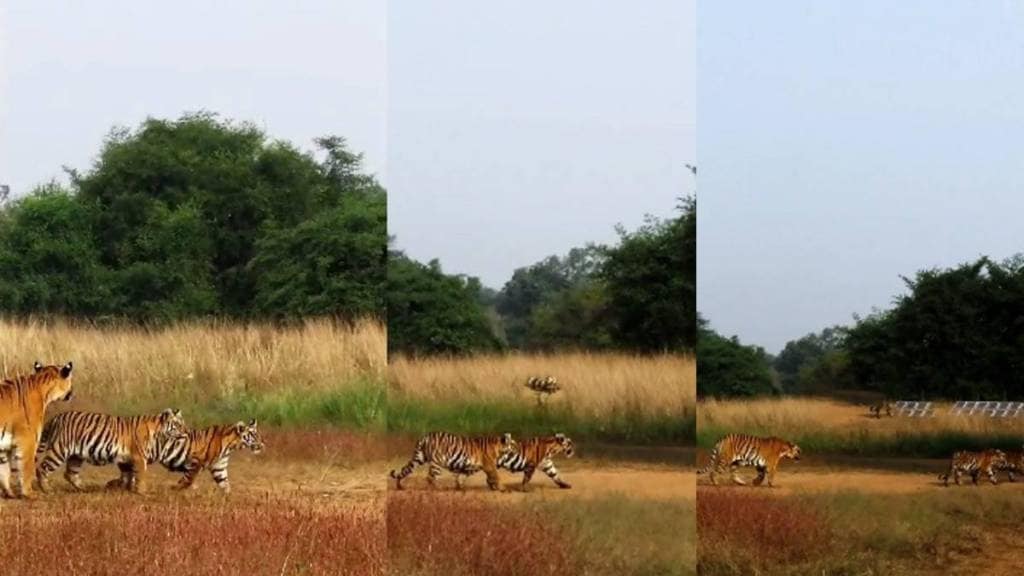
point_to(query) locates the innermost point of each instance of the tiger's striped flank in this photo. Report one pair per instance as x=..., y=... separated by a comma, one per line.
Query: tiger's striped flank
x=460, y=455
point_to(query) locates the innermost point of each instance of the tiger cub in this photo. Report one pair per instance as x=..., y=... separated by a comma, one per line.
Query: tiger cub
x=460, y=455
x=23, y=402
x=736, y=450
x=200, y=449
x=1014, y=463
x=537, y=453
x=74, y=438
x=974, y=463
x=877, y=409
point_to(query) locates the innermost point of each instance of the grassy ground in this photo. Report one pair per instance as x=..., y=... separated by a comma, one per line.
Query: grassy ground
x=828, y=426
x=940, y=531
x=608, y=397
x=317, y=373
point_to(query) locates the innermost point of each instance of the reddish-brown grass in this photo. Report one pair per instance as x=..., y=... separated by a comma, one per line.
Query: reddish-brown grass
x=459, y=534
x=767, y=530
x=96, y=534
x=331, y=445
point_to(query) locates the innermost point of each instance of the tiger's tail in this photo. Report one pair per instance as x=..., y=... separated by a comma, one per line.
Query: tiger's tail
x=418, y=457
x=712, y=462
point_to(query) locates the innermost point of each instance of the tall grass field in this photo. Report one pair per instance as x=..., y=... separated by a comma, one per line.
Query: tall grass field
x=320, y=372
x=832, y=427
x=609, y=397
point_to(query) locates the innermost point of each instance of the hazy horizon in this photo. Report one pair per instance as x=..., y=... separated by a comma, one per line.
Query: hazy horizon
x=70, y=72
x=518, y=133
x=843, y=145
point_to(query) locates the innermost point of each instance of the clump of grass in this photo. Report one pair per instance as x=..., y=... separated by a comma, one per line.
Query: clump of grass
x=827, y=426
x=438, y=534
x=610, y=397
x=191, y=536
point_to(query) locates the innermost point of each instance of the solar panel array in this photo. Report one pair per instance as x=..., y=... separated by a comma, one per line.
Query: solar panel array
x=913, y=408
x=990, y=409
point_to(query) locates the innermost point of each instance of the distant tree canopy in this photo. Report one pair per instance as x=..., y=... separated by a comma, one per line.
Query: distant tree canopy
x=430, y=312
x=637, y=295
x=727, y=368
x=199, y=216
x=957, y=333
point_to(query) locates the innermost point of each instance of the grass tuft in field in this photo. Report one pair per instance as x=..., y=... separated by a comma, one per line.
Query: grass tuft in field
x=610, y=397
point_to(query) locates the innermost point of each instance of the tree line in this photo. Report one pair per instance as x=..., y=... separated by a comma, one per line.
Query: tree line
x=956, y=333
x=639, y=294
x=199, y=216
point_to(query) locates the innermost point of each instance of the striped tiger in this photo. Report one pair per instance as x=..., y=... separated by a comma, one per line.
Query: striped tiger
x=200, y=449
x=877, y=409
x=974, y=463
x=737, y=450
x=23, y=402
x=537, y=453
x=460, y=455
x=1014, y=463
x=73, y=438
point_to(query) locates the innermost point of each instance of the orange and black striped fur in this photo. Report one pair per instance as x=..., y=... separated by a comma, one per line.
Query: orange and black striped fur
x=460, y=455
x=974, y=463
x=537, y=453
x=199, y=449
x=74, y=438
x=737, y=450
x=23, y=402
x=1014, y=463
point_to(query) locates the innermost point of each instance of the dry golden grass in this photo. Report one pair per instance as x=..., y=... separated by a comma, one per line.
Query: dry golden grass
x=802, y=416
x=208, y=360
x=593, y=384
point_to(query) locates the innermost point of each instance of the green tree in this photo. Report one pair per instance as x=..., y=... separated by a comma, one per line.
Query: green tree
x=727, y=368
x=430, y=312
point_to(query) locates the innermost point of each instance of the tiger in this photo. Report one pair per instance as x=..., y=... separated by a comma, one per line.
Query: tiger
x=877, y=409
x=974, y=463
x=206, y=448
x=537, y=453
x=460, y=455
x=737, y=450
x=23, y=402
x=1014, y=463
x=73, y=438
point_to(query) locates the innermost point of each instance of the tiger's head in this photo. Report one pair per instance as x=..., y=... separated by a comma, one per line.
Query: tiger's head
x=997, y=457
x=250, y=436
x=565, y=444
x=171, y=424
x=59, y=376
x=790, y=450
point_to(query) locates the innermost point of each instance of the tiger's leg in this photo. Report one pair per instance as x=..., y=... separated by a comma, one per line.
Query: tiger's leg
x=71, y=472
x=459, y=478
x=5, y=475
x=432, y=475
x=219, y=471
x=139, y=465
x=734, y=471
x=527, y=475
x=493, y=481
x=548, y=467
x=761, y=471
x=25, y=456
x=956, y=476
x=124, y=481
x=991, y=473
x=1009, y=475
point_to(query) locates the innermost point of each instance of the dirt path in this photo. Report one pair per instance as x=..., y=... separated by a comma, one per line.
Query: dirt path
x=588, y=478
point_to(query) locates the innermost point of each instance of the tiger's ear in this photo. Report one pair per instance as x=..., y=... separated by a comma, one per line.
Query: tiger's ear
x=252, y=423
x=560, y=437
x=37, y=366
x=66, y=370
x=506, y=438
x=239, y=427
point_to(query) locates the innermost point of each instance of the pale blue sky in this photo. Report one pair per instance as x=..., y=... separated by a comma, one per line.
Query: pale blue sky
x=520, y=130
x=69, y=71
x=842, y=144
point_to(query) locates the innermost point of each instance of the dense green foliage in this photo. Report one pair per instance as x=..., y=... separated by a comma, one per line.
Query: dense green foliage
x=430, y=312
x=637, y=295
x=199, y=216
x=725, y=367
x=956, y=333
